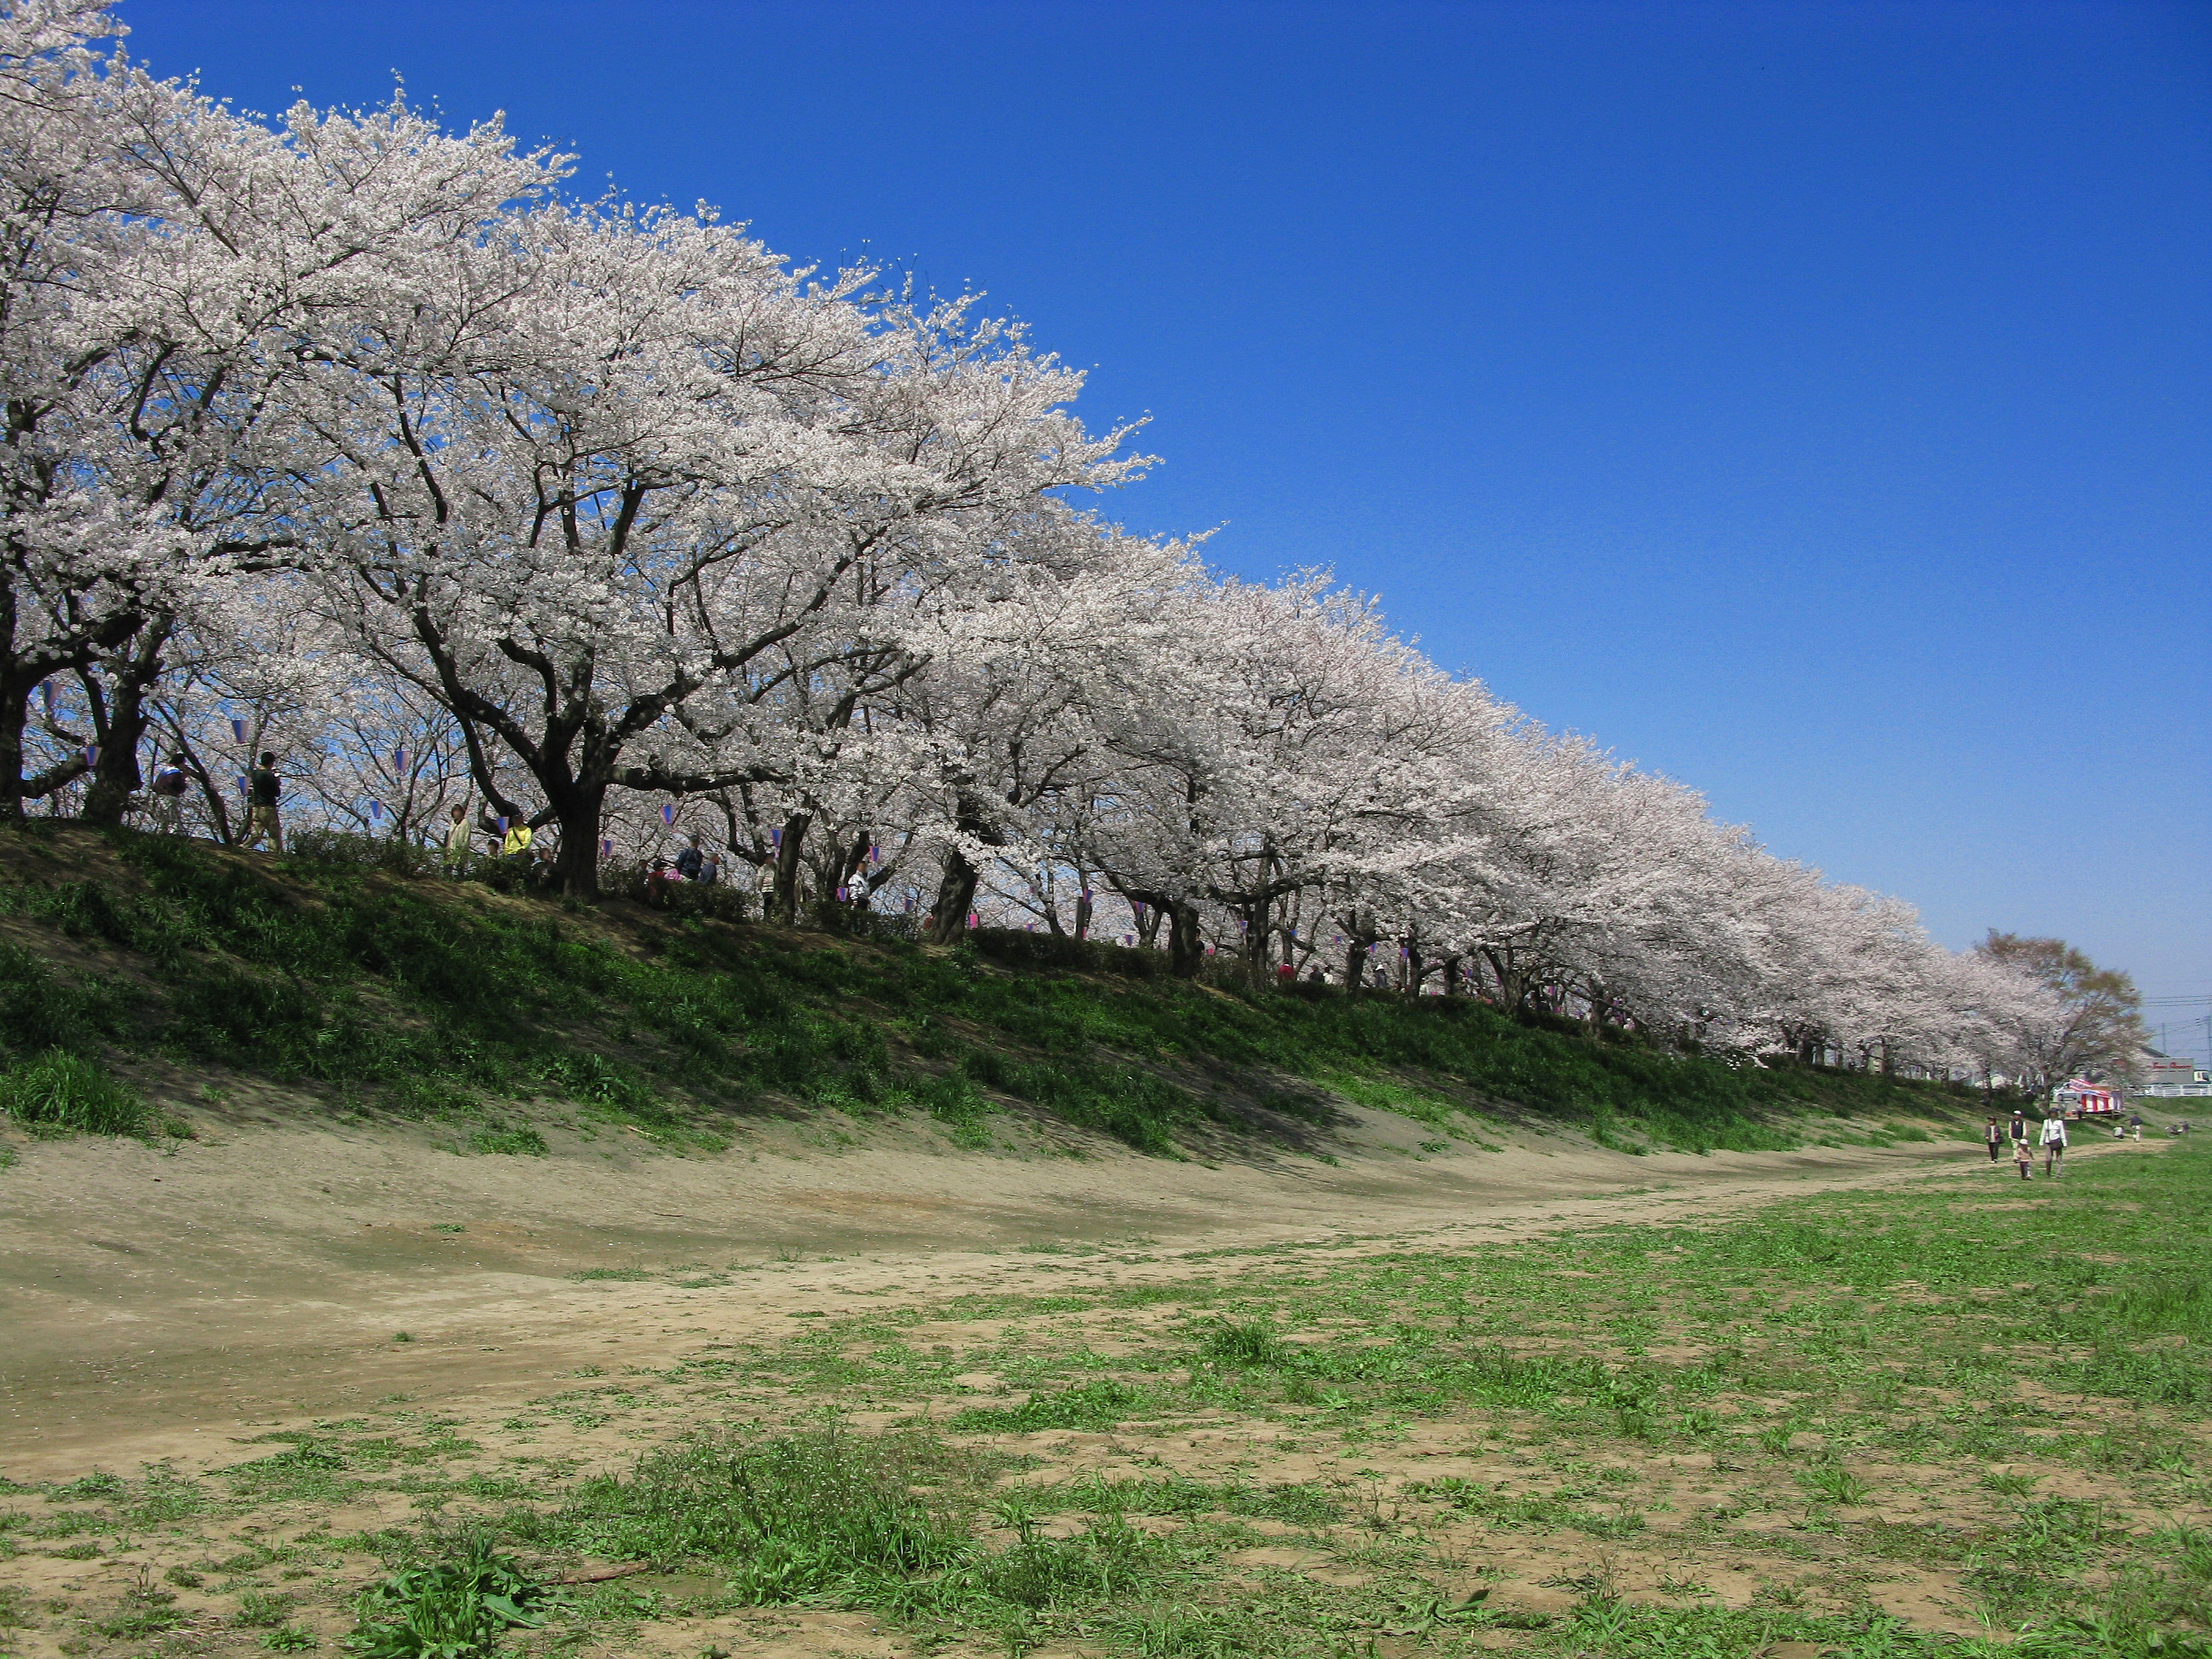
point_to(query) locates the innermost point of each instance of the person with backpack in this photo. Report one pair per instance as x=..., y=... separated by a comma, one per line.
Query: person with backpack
x=263, y=789
x=1993, y=1137
x=168, y=793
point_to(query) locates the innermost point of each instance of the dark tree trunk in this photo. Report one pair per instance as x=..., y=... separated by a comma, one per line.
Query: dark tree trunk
x=579, y=814
x=1083, y=912
x=119, y=719
x=1185, y=948
x=956, y=893
x=788, y=862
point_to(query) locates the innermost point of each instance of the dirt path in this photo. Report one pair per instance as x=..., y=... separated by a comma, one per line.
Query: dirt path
x=159, y=1302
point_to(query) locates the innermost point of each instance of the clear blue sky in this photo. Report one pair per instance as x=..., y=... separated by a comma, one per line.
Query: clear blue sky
x=1812, y=402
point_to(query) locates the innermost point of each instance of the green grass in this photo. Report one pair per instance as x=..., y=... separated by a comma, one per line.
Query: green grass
x=1581, y=1443
x=405, y=992
x=58, y=1091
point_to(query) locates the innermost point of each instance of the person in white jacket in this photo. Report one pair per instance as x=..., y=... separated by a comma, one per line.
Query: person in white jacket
x=2054, y=1145
x=457, y=841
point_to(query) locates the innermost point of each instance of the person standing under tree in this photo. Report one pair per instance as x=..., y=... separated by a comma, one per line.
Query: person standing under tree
x=457, y=841
x=688, y=861
x=1993, y=1137
x=263, y=788
x=168, y=791
x=2054, y=1145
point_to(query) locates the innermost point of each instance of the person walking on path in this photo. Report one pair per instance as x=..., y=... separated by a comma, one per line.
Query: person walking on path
x=263, y=789
x=2024, y=1155
x=1993, y=1138
x=2135, y=1124
x=456, y=856
x=169, y=785
x=2019, y=1128
x=2054, y=1145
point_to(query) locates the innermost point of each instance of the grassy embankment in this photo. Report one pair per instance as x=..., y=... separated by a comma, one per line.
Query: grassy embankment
x=1958, y=1421
x=376, y=992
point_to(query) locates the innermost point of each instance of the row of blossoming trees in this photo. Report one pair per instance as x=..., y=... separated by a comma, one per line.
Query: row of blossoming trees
x=354, y=438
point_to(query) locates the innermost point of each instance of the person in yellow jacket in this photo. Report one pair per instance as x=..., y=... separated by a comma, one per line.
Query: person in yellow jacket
x=518, y=840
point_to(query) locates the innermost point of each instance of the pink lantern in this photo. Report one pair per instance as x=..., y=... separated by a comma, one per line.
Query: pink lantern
x=974, y=921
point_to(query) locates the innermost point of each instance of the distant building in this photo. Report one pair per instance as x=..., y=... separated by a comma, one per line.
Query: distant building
x=2165, y=1076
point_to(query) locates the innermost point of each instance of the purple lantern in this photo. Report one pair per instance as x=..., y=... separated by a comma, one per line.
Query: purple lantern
x=241, y=789
x=91, y=755
x=606, y=849
x=667, y=813
x=400, y=760
x=503, y=826
x=238, y=728
x=46, y=690
x=376, y=811
x=775, y=837
x=875, y=853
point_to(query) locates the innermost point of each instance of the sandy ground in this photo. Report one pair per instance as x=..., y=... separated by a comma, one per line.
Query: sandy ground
x=154, y=1303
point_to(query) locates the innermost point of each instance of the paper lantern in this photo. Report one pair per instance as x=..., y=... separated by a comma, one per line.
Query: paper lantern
x=241, y=789
x=974, y=921
x=46, y=690
x=376, y=811
x=503, y=826
x=875, y=853
x=606, y=849
x=238, y=729
x=400, y=760
x=667, y=814
x=91, y=755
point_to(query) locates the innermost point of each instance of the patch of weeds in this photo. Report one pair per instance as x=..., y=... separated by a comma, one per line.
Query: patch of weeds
x=1252, y=1342
x=458, y=1606
x=1834, y=1486
x=790, y=1516
x=262, y=1610
x=626, y=1276
x=514, y=1141
x=1099, y=1405
x=62, y=1093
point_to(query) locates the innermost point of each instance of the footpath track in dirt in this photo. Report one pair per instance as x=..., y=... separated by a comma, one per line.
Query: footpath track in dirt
x=162, y=1305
